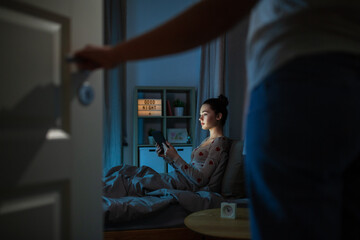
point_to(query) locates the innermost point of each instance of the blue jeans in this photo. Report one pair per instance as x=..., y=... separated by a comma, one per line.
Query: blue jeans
x=303, y=150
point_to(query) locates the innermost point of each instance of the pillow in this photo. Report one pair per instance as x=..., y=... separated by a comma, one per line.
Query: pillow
x=233, y=182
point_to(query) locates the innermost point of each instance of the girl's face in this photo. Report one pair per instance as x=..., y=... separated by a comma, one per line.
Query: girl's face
x=208, y=119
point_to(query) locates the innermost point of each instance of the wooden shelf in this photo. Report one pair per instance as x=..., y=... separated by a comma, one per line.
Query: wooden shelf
x=142, y=124
x=160, y=117
x=178, y=116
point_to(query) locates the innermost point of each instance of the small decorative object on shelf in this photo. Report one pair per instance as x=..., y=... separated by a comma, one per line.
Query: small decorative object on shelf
x=149, y=107
x=168, y=109
x=150, y=137
x=177, y=135
x=179, y=107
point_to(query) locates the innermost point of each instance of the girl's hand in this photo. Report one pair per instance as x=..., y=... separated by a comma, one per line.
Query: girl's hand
x=170, y=152
x=159, y=151
x=92, y=57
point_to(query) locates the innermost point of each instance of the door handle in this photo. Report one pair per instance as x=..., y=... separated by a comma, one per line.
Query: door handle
x=81, y=86
x=86, y=94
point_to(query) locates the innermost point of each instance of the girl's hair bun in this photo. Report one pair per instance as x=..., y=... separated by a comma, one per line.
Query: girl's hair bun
x=223, y=100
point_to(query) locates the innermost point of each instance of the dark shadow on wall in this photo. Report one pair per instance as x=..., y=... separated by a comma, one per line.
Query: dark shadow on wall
x=23, y=130
x=236, y=78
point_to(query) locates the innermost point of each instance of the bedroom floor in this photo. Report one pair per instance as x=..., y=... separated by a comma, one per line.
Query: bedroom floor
x=157, y=234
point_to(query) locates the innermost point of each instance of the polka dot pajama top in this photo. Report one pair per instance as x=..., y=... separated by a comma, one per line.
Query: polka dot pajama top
x=204, y=161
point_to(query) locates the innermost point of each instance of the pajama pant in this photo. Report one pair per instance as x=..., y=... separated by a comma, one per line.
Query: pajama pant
x=303, y=150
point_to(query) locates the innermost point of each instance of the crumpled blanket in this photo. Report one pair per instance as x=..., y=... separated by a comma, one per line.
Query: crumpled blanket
x=130, y=193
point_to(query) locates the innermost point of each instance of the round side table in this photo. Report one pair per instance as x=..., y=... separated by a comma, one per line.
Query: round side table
x=208, y=222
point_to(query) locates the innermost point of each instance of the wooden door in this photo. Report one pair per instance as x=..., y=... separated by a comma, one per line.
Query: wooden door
x=50, y=145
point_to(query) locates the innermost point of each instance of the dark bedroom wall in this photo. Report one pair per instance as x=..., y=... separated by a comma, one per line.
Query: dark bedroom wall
x=236, y=78
x=174, y=70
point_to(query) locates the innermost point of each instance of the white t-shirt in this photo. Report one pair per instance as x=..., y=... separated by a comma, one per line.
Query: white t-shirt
x=281, y=30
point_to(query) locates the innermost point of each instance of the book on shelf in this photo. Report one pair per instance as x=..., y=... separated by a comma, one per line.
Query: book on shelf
x=168, y=109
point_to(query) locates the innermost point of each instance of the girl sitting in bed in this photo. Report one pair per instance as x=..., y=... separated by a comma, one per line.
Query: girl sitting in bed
x=204, y=172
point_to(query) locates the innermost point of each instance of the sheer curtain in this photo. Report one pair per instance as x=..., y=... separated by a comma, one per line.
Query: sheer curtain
x=114, y=87
x=223, y=71
x=212, y=78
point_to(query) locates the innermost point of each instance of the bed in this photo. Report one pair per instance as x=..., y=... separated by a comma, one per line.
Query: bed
x=164, y=218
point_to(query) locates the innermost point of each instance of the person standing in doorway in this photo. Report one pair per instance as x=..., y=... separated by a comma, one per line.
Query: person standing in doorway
x=303, y=136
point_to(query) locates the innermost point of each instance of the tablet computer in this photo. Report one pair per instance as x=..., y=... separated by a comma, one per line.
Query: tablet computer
x=159, y=138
